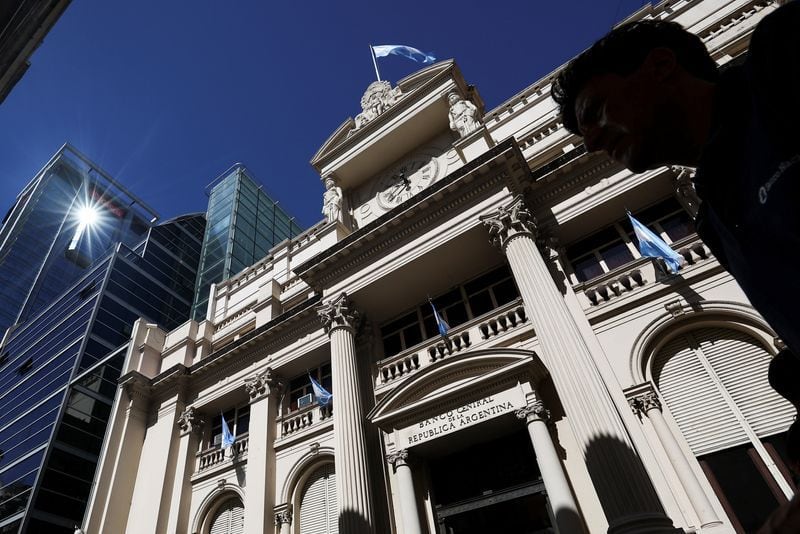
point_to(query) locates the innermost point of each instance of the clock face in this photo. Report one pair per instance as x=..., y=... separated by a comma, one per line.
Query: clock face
x=405, y=180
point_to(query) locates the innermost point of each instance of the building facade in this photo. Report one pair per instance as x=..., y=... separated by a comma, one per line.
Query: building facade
x=579, y=388
x=244, y=222
x=59, y=371
x=46, y=241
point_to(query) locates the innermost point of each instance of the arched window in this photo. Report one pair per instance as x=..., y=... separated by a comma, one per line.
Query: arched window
x=714, y=382
x=228, y=518
x=318, y=510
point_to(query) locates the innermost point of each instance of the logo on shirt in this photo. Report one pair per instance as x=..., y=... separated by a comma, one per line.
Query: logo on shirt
x=763, y=191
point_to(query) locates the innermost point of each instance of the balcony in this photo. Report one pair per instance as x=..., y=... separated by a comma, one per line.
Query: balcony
x=641, y=274
x=506, y=318
x=215, y=456
x=307, y=419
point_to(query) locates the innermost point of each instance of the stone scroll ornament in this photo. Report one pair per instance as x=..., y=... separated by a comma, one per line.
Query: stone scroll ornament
x=190, y=420
x=644, y=402
x=264, y=383
x=509, y=221
x=339, y=313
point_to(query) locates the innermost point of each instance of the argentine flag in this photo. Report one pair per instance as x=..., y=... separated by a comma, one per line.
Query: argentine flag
x=323, y=395
x=440, y=323
x=652, y=246
x=227, y=437
x=403, y=50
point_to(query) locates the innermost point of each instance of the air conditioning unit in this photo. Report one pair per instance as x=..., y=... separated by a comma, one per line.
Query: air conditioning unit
x=305, y=400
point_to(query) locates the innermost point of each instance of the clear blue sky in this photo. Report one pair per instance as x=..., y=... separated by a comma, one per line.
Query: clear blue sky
x=167, y=94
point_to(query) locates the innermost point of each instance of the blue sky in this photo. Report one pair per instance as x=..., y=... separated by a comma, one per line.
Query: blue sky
x=167, y=94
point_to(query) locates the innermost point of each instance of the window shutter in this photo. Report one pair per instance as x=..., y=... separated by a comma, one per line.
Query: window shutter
x=704, y=417
x=318, y=509
x=229, y=518
x=742, y=365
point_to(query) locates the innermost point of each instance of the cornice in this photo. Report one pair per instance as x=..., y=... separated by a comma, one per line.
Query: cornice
x=417, y=213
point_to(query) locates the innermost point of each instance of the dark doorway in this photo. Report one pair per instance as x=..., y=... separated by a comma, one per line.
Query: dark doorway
x=491, y=487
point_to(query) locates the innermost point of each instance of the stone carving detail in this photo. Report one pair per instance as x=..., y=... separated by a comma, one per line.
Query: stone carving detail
x=332, y=200
x=284, y=517
x=509, y=221
x=190, y=420
x=644, y=402
x=378, y=97
x=675, y=308
x=463, y=115
x=534, y=411
x=339, y=313
x=398, y=458
x=685, y=189
x=264, y=383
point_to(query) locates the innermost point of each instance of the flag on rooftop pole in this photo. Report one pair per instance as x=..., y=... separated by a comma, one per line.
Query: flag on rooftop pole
x=402, y=50
x=323, y=395
x=227, y=437
x=652, y=246
x=440, y=323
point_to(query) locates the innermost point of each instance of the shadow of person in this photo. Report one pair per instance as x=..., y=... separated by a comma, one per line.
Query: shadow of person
x=352, y=522
x=625, y=491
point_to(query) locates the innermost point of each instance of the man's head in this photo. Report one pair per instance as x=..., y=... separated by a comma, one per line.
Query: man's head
x=629, y=94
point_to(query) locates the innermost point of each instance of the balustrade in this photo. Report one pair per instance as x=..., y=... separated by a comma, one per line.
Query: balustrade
x=304, y=418
x=216, y=455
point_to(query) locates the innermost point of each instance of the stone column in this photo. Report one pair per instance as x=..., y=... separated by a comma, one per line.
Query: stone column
x=259, y=499
x=562, y=502
x=644, y=401
x=283, y=519
x=407, y=498
x=623, y=487
x=340, y=320
x=190, y=424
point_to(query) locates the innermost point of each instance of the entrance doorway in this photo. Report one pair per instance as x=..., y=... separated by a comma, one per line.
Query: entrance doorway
x=491, y=487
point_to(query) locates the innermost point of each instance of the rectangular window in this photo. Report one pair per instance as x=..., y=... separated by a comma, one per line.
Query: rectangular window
x=301, y=386
x=238, y=420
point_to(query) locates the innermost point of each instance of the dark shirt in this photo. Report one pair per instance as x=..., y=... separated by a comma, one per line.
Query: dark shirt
x=749, y=173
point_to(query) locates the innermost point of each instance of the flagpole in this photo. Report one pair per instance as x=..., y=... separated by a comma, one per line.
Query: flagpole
x=374, y=62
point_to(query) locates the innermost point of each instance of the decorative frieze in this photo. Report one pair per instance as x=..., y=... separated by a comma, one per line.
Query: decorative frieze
x=339, y=313
x=508, y=222
x=190, y=421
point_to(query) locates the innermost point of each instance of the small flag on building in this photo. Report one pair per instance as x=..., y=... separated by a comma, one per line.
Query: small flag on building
x=440, y=323
x=227, y=437
x=652, y=246
x=402, y=50
x=323, y=396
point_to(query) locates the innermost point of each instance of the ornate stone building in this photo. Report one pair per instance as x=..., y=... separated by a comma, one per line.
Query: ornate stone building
x=580, y=387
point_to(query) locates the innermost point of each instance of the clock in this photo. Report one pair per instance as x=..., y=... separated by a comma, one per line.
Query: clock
x=405, y=180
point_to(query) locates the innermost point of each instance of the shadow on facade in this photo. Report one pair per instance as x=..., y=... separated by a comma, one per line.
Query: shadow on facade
x=351, y=522
x=610, y=462
x=569, y=522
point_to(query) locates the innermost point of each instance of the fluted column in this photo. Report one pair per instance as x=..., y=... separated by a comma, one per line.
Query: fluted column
x=645, y=401
x=623, y=487
x=259, y=500
x=407, y=498
x=190, y=424
x=562, y=502
x=283, y=520
x=341, y=320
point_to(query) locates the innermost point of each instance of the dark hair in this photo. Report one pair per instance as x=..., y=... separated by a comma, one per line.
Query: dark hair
x=623, y=51
x=783, y=374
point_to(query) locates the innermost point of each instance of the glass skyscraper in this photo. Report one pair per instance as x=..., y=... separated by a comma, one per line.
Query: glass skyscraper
x=243, y=224
x=58, y=372
x=68, y=216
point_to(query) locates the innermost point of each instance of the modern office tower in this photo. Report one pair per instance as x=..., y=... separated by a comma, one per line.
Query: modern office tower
x=68, y=216
x=58, y=372
x=243, y=224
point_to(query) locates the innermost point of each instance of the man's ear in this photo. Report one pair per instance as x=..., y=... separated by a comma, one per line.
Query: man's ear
x=661, y=63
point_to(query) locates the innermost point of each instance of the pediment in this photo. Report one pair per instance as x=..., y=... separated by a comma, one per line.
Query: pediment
x=455, y=381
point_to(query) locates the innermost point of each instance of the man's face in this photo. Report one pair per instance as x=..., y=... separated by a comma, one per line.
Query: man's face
x=621, y=115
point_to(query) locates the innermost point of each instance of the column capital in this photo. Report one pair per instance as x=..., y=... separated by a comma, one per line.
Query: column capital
x=284, y=517
x=339, y=313
x=534, y=411
x=642, y=399
x=190, y=421
x=262, y=384
x=510, y=221
x=398, y=458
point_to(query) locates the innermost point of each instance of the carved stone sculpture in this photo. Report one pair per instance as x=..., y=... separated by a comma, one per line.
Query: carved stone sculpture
x=508, y=221
x=339, y=313
x=644, y=402
x=533, y=412
x=463, y=115
x=332, y=200
x=378, y=97
x=261, y=384
x=190, y=420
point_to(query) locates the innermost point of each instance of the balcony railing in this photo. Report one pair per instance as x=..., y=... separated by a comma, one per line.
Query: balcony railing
x=497, y=322
x=217, y=456
x=304, y=418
